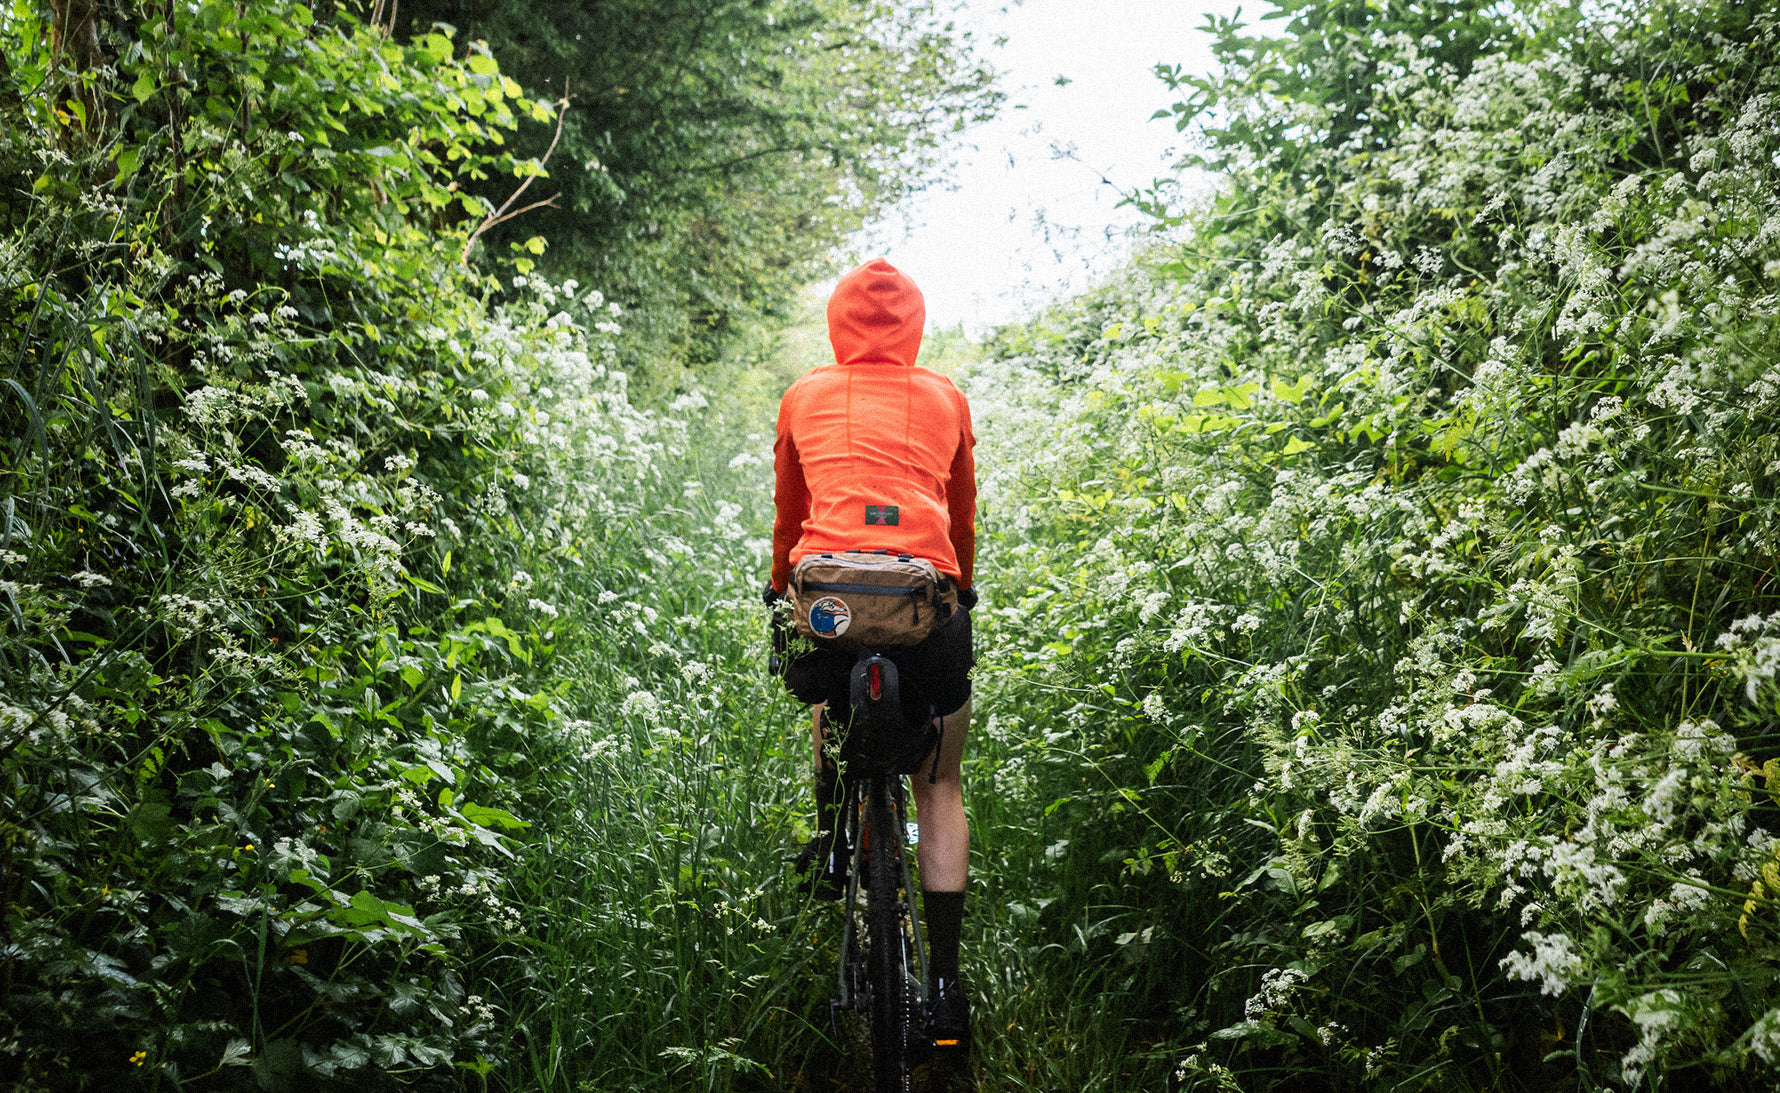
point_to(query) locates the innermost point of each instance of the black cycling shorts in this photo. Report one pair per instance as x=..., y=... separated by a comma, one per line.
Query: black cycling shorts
x=934, y=675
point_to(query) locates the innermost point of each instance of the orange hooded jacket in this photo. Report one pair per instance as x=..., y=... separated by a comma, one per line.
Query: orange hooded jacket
x=874, y=452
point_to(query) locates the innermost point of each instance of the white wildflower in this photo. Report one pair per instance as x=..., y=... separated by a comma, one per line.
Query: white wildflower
x=1764, y=1037
x=1154, y=708
x=1277, y=987
x=1554, y=963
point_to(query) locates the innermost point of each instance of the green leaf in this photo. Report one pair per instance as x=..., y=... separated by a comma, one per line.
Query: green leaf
x=151, y=821
x=302, y=877
x=364, y=910
x=494, y=626
x=280, y=1065
x=1291, y=393
x=437, y=47
x=494, y=818
x=423, y=584
x=144, y=86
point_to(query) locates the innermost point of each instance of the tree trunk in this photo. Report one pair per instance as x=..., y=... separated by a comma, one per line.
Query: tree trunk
x=74, y=34
x=75, y=47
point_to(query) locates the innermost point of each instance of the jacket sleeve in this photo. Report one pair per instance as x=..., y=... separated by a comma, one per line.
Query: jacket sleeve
x=791, y=504
x=961, y=499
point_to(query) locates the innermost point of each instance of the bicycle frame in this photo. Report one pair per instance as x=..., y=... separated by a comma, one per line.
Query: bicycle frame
x=882, y=976
x=883, y=967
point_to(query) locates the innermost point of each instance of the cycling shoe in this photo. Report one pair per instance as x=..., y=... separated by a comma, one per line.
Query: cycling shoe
x=948, y=1018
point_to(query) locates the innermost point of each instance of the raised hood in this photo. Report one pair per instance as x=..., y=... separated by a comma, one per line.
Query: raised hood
x=876, y=314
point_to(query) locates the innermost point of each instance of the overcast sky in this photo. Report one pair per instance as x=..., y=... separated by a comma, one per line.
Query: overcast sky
x=1033, y=215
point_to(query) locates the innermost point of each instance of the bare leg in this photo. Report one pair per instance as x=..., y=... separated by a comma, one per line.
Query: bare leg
x=944, y=851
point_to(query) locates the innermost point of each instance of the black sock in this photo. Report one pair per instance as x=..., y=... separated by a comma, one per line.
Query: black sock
x=945, y=921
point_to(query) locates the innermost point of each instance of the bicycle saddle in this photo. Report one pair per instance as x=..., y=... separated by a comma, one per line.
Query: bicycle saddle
x=878, y=733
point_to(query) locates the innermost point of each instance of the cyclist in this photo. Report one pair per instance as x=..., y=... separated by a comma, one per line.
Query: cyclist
x=874, y=453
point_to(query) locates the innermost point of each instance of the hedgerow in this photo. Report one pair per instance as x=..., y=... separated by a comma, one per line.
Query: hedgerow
x=287, y=504
x=1387, y=669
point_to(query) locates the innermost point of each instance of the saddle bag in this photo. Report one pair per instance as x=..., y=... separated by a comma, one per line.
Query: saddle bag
x=872, y=599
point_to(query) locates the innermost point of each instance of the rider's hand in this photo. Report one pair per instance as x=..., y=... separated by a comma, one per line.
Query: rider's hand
x=779, y=627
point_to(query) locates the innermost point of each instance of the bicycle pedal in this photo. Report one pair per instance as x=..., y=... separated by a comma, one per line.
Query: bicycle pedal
x=947, y=1031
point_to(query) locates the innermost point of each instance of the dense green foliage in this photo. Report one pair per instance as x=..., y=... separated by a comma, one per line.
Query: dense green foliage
x=715, y=152
x=289, y=515
x=1379, y=645
x=1395, y=547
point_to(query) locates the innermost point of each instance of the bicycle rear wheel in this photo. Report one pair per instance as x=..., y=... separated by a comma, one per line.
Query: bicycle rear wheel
x=889, y=954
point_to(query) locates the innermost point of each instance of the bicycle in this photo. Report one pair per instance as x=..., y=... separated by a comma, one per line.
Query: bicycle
x=882, y=976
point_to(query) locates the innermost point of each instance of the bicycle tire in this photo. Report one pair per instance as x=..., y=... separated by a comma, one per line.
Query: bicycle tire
x=889, y=1016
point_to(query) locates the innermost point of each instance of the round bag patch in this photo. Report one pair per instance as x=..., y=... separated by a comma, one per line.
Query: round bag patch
x=830, y=617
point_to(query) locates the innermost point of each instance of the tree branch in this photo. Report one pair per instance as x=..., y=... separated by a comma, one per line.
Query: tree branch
x=501, y=215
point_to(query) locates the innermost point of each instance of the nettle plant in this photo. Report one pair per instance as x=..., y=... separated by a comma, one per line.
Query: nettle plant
x=1401, y=548
x=275, y=481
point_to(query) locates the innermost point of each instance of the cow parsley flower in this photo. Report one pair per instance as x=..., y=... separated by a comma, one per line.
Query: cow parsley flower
x=1278, y=985
x=1764, y=1037
x=1554, y=963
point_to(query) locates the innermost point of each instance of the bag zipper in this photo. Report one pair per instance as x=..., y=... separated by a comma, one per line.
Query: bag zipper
x=859, y=589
